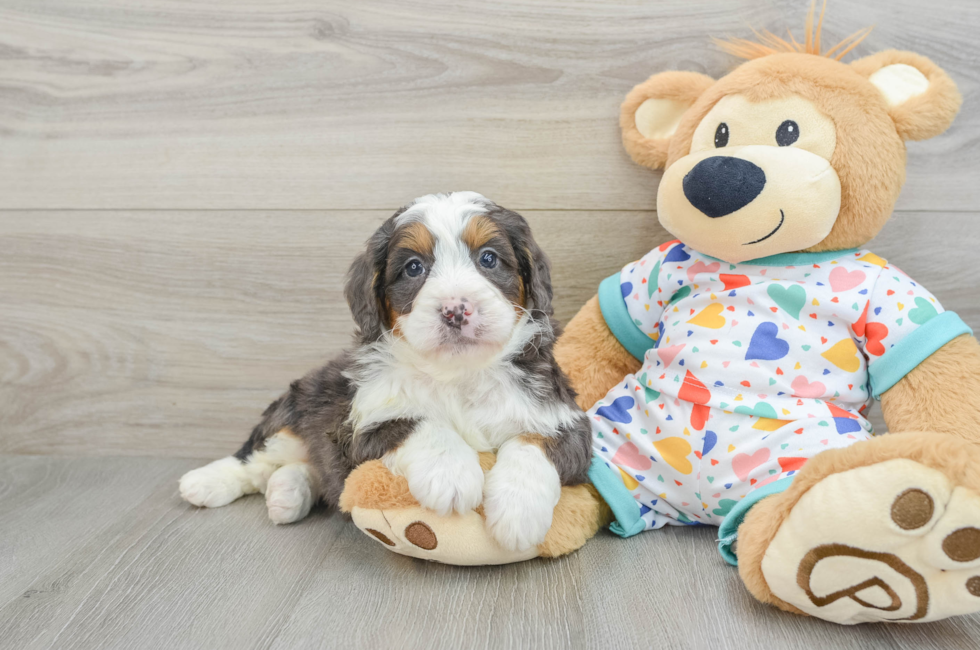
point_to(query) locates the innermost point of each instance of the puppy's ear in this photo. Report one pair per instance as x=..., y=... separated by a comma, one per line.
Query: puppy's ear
x=365, y=288
x=537, y=281
x=651, y=112
x=922, y=100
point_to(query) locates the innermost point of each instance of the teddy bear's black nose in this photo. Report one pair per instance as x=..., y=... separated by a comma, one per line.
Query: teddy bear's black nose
x=721, y=185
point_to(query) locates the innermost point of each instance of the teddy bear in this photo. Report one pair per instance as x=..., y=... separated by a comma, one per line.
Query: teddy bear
x=727, y=373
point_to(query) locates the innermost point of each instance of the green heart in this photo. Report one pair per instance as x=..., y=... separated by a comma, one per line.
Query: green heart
x=923, y=311
x=681, y=293
x=784, y=445
x=790, y=299
x=806, y=348
x=724, y=507
x=711, y=479
x=649, y=394
x=653, y=279
x=761, y=410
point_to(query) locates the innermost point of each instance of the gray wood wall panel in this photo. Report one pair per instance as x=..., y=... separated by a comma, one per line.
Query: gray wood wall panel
x=330, y=104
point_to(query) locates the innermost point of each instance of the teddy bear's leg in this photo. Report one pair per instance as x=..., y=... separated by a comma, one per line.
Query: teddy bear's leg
x=382, y=507
x=885, y=530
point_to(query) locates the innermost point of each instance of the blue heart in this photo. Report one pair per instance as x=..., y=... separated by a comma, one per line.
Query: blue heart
x=626, y=288
x=766, y=345
x=710, y=438
x=847, y=425
x=728, y=486
x=618, y=411
x=677, y=254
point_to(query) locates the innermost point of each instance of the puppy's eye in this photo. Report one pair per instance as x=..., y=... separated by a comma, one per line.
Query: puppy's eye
x=721, y=135
x=787, y=133
x=488, y=259
x=414, y=269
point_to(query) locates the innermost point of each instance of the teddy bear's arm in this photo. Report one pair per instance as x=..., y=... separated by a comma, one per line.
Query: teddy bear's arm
x=590, y=355
x=941, y=394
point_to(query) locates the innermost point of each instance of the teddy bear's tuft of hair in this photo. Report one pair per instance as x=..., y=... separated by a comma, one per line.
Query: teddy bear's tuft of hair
x=768, y=43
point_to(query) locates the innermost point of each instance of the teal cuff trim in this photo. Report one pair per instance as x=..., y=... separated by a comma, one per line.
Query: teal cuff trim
x=792, y=259
x=915, y=348
x=618, y=319
x=728, y=532
x=621, y=502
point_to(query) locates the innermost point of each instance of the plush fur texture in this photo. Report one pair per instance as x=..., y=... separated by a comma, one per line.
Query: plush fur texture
x=942, y=394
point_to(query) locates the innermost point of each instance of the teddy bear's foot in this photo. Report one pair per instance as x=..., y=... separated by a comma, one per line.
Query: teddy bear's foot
x=887, y=530
x=382, y=506
x=460, y=539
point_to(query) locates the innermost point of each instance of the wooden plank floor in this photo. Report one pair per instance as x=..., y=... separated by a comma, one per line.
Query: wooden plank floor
x=182, y=187
x=101, y=553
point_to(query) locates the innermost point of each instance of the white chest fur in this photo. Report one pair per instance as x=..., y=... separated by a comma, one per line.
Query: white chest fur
x=485, y=405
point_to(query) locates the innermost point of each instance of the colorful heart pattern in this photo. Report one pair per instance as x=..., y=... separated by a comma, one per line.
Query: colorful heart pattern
x=756, y=369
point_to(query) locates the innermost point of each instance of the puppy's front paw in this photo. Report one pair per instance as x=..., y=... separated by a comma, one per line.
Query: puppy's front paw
x=451, y=480
x=521, y=493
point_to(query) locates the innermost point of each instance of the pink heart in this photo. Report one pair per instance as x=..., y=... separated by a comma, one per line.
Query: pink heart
x=630, y=456
x=841, y=280
x=701, y=267
x=743, y=464
x=804, y=388
x=668, y=353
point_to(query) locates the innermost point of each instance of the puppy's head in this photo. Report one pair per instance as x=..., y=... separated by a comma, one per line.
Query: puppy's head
x=452, y=275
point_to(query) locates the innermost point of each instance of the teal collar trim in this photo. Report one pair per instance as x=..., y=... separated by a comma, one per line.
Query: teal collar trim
x=908, y=353
x=621, y=502
x=619, y=321
x=728, y=532
x=791, y=259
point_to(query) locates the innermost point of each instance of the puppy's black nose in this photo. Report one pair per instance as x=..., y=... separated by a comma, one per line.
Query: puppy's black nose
x=721, y=185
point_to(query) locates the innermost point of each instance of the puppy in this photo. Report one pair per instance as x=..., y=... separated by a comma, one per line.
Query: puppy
x=453, y=355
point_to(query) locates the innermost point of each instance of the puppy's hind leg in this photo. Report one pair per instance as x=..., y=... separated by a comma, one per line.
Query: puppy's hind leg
x=221, y=482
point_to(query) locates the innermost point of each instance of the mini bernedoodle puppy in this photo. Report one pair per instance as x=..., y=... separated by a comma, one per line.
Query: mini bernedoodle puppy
x=453, y=355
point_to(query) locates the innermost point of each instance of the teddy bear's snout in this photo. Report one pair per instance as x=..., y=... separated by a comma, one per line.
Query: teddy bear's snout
x=721, y=185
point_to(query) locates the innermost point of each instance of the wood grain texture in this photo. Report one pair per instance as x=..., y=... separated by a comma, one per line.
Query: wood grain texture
x=318, y=104
x=122, y=563
x=147, y=333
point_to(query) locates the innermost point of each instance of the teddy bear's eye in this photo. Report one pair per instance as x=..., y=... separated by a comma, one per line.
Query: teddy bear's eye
x=721, y=135
x=787, y=133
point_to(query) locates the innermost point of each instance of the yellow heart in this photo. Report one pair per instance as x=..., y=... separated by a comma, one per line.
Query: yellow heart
x=844, y=355
x=630, y=482
x=675, y=451
x=768, y=424
x=710, y=317
x=871, y=258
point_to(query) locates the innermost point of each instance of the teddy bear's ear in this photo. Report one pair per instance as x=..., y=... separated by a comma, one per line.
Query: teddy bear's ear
x=653, y=109
x=922, y=100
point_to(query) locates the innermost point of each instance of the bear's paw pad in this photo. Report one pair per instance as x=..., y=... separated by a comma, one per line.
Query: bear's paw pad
x=893, y=541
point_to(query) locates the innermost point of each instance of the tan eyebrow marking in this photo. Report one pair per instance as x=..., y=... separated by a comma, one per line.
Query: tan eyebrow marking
x=479, y=231
x=415, y=236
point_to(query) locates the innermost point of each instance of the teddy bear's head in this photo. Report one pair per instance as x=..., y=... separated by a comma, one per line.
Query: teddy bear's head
x=792, y=151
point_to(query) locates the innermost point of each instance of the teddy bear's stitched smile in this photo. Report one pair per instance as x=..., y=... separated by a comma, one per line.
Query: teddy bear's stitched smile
x=782, y=219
